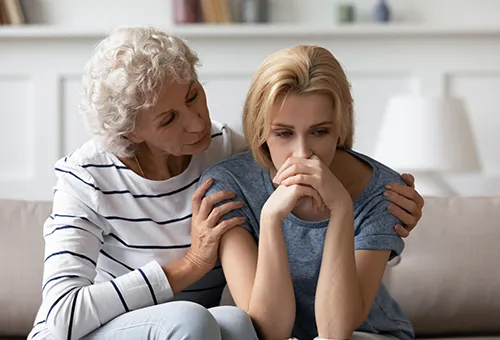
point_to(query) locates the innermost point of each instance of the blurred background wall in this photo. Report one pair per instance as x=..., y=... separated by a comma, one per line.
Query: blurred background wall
x=447, y=47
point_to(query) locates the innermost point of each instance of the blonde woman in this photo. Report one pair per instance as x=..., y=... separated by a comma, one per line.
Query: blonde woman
x=131, y=247
x=309, y=260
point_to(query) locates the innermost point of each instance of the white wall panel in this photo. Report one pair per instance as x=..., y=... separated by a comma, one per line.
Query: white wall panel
x=74, y=132
x=481, y=91
x=226, y=96
x=16, y=138
x=371, y=90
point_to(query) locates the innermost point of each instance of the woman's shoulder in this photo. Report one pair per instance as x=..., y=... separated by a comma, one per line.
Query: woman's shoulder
x=381, y=174
x=238, y=166
x=87, y=155
x=78, y=172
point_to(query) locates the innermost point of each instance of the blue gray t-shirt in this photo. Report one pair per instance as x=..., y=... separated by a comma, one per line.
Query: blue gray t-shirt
x=373, y=229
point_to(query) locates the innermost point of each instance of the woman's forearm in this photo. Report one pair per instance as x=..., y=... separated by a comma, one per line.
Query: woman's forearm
x=338, y=303
x=272, y=302
x=184, y=272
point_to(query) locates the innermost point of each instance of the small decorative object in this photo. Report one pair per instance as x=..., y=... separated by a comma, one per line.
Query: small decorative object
x=187, y=11
x=382, y=12
x=346, y=12
x=254, y=11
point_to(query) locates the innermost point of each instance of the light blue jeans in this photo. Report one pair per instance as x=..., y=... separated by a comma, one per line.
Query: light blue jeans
x=366, y=336
x=179, y=320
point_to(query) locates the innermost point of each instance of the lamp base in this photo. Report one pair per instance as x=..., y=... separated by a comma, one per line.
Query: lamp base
x=431, y=184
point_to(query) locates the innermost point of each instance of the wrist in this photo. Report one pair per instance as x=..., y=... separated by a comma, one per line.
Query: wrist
x=182, y=273
x=341, y=210
x=196, y=262
x=268, y=218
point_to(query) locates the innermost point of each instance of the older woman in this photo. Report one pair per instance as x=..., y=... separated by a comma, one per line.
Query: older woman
x=310, y=257
x=131, y=247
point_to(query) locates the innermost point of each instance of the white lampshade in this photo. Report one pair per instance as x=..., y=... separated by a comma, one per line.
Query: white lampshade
x=424, y=134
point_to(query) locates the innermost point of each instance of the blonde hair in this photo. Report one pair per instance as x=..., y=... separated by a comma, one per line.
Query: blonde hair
x=124, y=77
x=298, y=70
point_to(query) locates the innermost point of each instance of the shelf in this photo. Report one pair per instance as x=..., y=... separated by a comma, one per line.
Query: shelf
x=232, y=31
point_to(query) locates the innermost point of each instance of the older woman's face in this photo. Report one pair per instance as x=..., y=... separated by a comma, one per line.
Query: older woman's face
x=302, y=126
x=179, y=124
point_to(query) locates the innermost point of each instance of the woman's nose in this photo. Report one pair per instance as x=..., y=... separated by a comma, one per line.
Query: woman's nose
x=302, y=150
x=193, y=122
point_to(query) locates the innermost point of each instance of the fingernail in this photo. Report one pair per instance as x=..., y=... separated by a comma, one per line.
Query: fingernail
x=209, y=179
x=388, y=186
x=386, y=194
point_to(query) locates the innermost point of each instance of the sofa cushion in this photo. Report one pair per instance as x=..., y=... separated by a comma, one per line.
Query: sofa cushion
x=448, y=279
x=21, y=260
x=468, y=338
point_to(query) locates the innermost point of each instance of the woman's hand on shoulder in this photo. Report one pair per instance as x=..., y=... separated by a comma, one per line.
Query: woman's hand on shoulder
x=207, y=227
x=406, y=204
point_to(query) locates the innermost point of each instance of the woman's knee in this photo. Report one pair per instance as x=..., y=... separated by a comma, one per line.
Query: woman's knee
x=234, y=323
x=172, y=320
x=192, y=321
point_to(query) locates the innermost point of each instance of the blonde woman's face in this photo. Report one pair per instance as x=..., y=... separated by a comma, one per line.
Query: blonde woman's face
x=179, y=124
x=302, y=126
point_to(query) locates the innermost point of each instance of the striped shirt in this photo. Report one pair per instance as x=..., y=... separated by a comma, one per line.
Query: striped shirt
x=110, y=233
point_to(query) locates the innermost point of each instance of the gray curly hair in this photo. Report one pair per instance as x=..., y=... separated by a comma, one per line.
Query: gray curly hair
x=124, y=76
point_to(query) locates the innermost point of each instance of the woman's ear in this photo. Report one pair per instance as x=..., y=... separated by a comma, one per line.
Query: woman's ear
x=133, y=138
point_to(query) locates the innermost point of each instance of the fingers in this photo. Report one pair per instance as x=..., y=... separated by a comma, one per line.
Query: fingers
x=303, y=179
x=407, y=192
x=307, y=190
x=404, y=203
x=208, y=202
x=401, y=231
x=221, y=210
x=282, y=167
x=292, y=170
x=292, y=161
x=408, y=179
x=295, y=165
x=408, y=220
x=226, y=225
x=199, y=193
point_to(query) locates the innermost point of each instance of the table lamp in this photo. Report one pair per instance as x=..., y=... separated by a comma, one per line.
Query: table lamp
x=428, y=137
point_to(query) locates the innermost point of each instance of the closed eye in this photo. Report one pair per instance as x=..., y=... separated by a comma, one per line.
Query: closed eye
x=170, y=119
x=192, y=98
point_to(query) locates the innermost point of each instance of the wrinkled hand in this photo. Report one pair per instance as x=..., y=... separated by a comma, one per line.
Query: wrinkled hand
x=314, y=173
x=407, y=204
x=206, y=226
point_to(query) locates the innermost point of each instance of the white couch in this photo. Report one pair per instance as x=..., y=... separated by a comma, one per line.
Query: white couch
x=447, y=280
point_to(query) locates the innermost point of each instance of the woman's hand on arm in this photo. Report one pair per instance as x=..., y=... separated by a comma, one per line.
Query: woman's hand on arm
x=407, y=204
x=206, y=231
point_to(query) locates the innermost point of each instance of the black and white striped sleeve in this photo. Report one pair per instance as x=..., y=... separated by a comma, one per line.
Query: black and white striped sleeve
x=76, y=306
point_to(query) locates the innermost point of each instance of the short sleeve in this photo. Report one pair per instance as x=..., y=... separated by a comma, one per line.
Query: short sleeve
x=376, y=231
x=224, y=181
